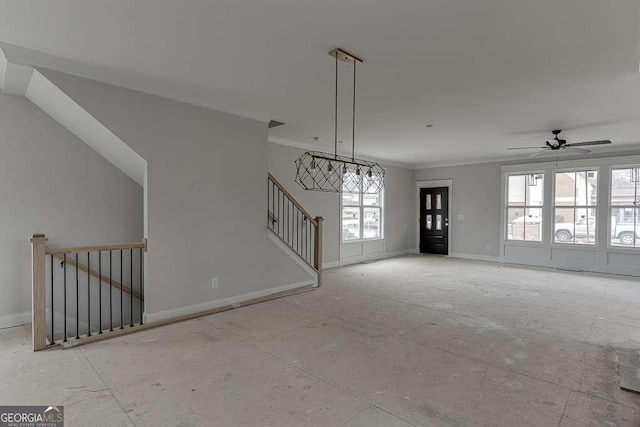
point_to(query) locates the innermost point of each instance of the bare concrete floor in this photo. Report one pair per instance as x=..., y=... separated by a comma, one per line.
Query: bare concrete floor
x=407, y=341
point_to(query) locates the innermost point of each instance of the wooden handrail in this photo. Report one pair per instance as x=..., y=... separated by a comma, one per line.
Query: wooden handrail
x=54, y=251
x=97, y=275
x=293, y=200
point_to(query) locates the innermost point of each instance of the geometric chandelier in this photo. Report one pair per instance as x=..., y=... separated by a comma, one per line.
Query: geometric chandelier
x=319, y=171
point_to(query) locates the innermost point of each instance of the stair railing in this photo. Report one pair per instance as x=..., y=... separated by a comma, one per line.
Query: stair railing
x=78, y=292
x=295, y=227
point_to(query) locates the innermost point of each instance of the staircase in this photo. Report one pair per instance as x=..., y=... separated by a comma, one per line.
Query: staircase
x=295, y=228
x=79, y=292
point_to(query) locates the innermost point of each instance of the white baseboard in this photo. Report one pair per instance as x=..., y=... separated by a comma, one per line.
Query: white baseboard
x=330, y=264
x=16, y=319
x=210, y=305
x=375, y=256
x=476, y=257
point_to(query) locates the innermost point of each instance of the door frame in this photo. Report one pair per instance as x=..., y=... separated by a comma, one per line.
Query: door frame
x=448, y=183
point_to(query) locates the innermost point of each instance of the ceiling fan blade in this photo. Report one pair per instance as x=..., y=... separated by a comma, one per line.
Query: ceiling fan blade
x=524, y=148
x=578, y=144
x=577, y=150
x=537, y=153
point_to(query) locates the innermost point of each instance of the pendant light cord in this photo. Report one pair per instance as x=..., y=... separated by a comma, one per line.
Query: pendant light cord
x=335, y=152
x=353, y=132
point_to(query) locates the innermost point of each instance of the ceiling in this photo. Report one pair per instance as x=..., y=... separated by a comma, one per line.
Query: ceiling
x=487, y=74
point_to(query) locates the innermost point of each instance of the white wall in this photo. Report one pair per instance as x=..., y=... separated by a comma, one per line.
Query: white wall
x=53, y=183
x=205, y=194
x=399, y=206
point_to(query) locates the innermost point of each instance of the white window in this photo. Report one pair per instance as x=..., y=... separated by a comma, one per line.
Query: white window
x=361, y=215
x=625, y=207
x=525, y=200
x=575, y=205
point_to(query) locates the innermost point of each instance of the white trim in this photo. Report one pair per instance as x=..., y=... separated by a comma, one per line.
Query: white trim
x=542, y=254
x=17, y=319
x=476, y=257
x=375, y=256
x=210, y=305
x=569, y=164
x=63, y=109
x=612, y=270
x=435, y=184
x=318, y=147
x=291, y=254
x=330, y=264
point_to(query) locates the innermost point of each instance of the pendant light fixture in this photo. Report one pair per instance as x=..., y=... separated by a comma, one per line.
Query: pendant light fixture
x=319, y=171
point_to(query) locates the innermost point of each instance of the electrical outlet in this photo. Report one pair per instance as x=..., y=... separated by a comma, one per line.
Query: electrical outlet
x=488, y=247
x=214, y=282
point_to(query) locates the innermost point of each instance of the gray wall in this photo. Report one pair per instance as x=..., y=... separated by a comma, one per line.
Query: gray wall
x=476, y=195
x=206, y=195
x=399, y=203
x=53, y=183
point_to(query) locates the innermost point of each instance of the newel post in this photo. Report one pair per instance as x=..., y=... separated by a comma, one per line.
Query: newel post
x=317, y=262
x=38, y=291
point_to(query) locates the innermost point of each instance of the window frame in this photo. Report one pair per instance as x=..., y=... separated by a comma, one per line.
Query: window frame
x=361, y=207
x=506, y=206
x=635, y=248
x=554, y=207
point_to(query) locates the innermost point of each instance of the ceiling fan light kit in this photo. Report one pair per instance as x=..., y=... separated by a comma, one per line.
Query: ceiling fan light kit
x=319, y=171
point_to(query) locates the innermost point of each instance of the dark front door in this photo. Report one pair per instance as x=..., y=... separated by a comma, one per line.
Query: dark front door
x=434, y=220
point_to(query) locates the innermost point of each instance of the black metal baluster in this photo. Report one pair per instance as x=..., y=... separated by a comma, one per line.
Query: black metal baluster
x=121, y=300
x=53, y=337
x=77, y=300
x=131, y=286
x=278, y=216
x=300, y=230
x=141, y=285
x=88, y=294
x=289, y=224
x=64, y=262
x=100, y=289
x=309, y=233
x=308, y=242
x=110, y=291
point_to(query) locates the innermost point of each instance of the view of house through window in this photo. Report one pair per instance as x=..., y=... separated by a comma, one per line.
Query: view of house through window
x=575, y=203
x=625, y=207
x=524, y=206
x=361, y=215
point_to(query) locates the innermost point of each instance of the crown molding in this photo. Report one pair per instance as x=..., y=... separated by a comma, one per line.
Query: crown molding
x=314, y=147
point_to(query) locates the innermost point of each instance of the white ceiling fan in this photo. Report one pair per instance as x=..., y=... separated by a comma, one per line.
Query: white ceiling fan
x=556, y=144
